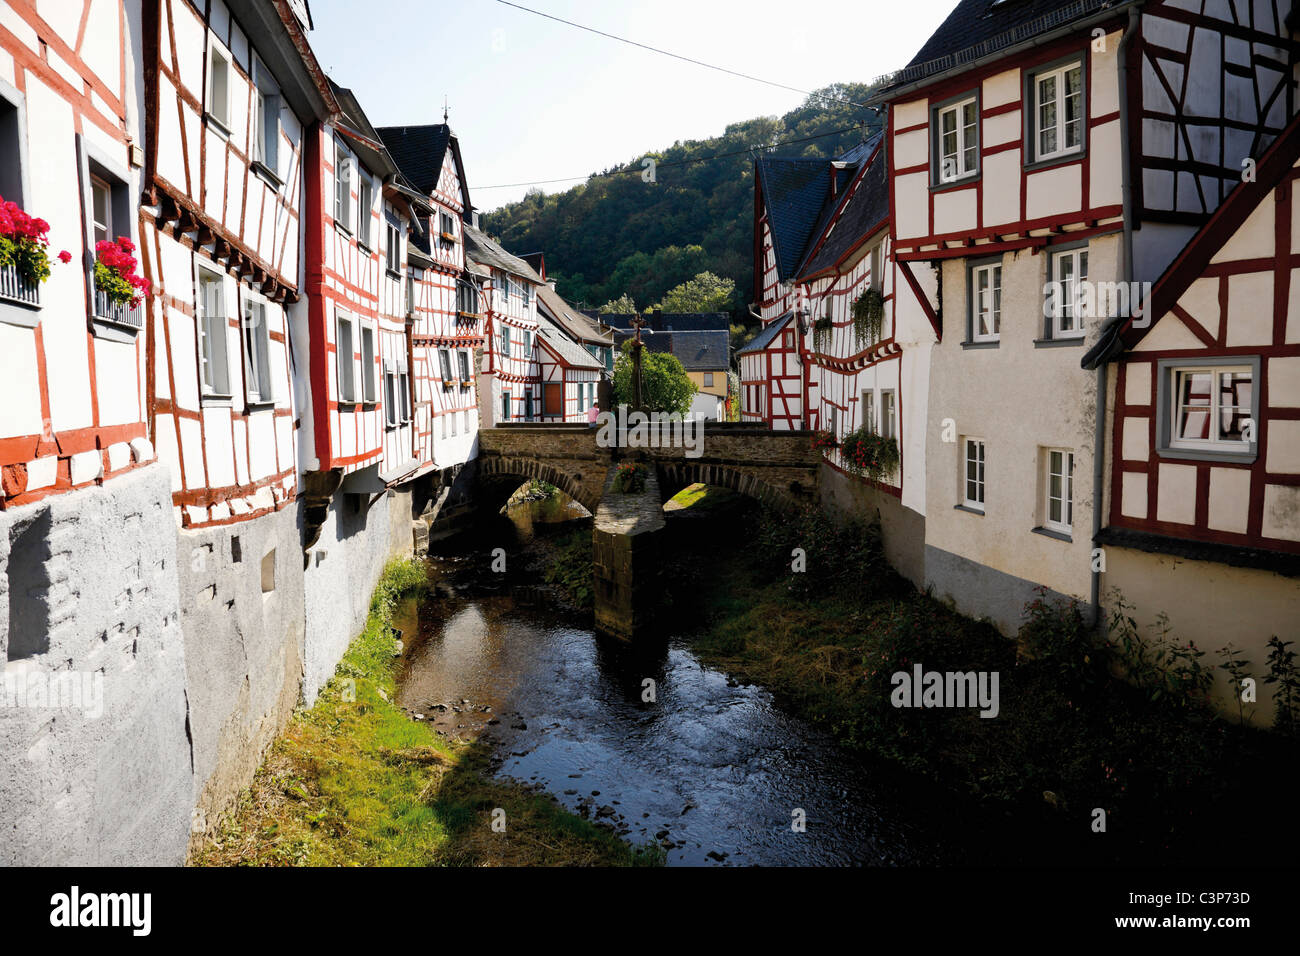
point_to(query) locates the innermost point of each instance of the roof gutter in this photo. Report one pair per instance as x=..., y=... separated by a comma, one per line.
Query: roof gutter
x=1110, y=335
x=892, y=93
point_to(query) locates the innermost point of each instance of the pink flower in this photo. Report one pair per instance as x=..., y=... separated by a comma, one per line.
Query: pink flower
x=65, y=257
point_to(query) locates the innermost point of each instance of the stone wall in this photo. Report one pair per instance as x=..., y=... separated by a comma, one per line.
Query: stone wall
x=628, y=537
x=902, y=529
x=88, y=592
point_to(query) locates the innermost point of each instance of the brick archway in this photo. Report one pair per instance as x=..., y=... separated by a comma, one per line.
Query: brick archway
x=495, y=468
x=674, y=476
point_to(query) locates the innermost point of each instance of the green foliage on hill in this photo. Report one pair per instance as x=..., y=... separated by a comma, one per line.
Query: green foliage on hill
x=617, y=235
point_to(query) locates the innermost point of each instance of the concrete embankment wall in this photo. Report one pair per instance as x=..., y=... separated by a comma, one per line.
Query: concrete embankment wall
x=902, y=530
x=201, y=644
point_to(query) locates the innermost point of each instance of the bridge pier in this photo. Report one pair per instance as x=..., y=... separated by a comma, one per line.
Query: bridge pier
x=628, y=536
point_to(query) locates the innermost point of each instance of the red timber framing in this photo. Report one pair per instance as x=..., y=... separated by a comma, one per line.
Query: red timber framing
x=73, y=399
x=771, y=377
x=220, y=241
x=986, y=224
x=1228, y=300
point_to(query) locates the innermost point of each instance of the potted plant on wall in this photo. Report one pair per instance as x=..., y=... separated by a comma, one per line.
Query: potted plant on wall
x=24, y=254
x=824, y=440
x=822, y=329
x=868, y=316
x=629, y=479
x=118, y=289
x=869, y=455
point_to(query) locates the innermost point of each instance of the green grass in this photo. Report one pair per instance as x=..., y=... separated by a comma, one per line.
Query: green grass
x=354, y=781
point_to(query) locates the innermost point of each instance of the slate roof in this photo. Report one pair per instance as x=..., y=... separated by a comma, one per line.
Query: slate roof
x=569, y=319
x=486, y=252
x=860, y=213
x=419, y=152
x=979, y=28
x=570, y=352
x=765, y=337
x=793, y=192
x=668, y=321
x=702, y=351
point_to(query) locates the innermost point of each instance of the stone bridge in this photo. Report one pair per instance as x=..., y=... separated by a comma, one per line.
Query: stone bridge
x=777, y=468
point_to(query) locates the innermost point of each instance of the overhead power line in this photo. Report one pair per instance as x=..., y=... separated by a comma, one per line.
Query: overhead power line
x=675, y=163
x=685, y=59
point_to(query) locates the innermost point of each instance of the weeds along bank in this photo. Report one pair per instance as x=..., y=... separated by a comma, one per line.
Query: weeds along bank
x=355, y=781
x=188, y=651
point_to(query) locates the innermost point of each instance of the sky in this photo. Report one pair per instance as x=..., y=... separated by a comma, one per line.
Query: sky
x=533, y=100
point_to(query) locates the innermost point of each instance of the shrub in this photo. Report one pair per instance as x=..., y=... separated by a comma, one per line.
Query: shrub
x=1055, y=634
x=629, y=479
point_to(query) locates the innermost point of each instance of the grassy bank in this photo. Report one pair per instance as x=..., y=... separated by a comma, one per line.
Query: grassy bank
x=354, y=781
x=1173, y=776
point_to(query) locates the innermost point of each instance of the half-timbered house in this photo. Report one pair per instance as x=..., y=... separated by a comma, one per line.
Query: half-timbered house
x=1038, y=154
x=510, y=388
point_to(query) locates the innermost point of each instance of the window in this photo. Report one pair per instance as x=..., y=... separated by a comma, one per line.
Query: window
x=447, y=225
x=467, y=298
x=257, y=360
x=214, y=366
x=957, y=127
x=393, y=244
x=390, y=395
x=342, y=187
x=878, y=267
x=869, y=409
x=463, y=356
x=404, y=398
x=101, y=210
x=368, y=365
x=13, y=135
x=505, y=341
x=410, y=293
x=219, y=87
x=1066, y=312
x=831, y=423
x=444, y=363
x=708, y=379
x=986, y=302
x=528, y=405
x=1058, y=488
x=787, y=340
x=365, y=209
x=503, y=291
x=345, y=357
x=526, y=291
x=887, y=425
x=528, y=345
x=266, y=118
x=1212, y=408
x=973, y=474
x=1058, y=111
x=505, y=406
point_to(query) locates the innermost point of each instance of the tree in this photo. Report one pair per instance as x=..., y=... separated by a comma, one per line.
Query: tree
x=665, y=386
x=623, y=305
x=705, y=293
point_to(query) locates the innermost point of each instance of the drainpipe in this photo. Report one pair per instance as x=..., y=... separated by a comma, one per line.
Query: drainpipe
x=1126, y=275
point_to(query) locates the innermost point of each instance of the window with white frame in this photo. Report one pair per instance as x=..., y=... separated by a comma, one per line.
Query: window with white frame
x=1058, y=111
x=973, y=473
x=368, y=390
x=447, y=225
x=390, y=395
x=266, y=117
x=1211, y=407
x=258, y=383
x=214, y=364
x=526, y=293
x=101, y=209
x=13, y=133
x=219, y=86
x=888, y=427
x=404, y=396
x=878, y=267
x=832, y=422
x=505, y=341
x=463, y=358
x=869, y=409
x=986, y=302
x=444, y=364
x=708, y=379
x=343, y=176
x=1058, y=490
x=957, y=137
x=365, y=208
x=1069, y=275
x=345, y=356
x=393, y=243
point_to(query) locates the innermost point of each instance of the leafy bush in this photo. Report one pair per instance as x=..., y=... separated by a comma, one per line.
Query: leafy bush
x=816, y=555
x=1055, y=634
x=1282, y=672
x=571, y=570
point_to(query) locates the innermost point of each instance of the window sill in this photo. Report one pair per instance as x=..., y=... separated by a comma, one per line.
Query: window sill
x=970, y=179
x=1060, y=159
x=1059, y=343
x=265, y=172
x=364, y=247
x=393, y=274
x=343, y=229
x=216, y=401
x=1058, y=535
x=20, y=314
x=258, y=405
x=968, y=509
x=221, y=128
x=1209, y=454
x=982, y=345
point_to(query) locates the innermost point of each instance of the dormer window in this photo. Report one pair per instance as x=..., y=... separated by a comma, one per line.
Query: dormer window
x=1057, y=114
x=956, y=133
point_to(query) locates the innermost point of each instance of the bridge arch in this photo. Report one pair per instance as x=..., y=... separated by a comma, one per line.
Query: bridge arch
x=497, y=470
x=676, y=475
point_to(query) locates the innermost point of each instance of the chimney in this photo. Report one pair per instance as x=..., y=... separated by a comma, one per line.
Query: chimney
x=476, y=219
x=551, y=283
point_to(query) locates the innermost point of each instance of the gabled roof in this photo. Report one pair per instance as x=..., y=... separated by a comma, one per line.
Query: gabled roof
x=856, y=214
x=767, y=336
x=1190, y=264
x=420, y=152
x=793, y=191
x=702, y=351
x=570, y=320
x=570, y=353
x=977, y=29
x=671, y=321
x=486, y=252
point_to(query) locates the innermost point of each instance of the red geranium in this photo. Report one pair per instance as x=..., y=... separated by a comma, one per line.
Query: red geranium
x=115, y=272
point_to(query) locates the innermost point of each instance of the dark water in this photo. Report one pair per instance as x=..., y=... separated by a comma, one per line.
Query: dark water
x=712, y=771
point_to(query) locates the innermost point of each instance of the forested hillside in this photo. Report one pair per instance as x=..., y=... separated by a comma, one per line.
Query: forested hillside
x=619, y=235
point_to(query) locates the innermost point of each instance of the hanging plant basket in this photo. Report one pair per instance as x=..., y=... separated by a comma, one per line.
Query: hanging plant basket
x=824, y=440
x=868, y=317
x=822, y=331
x=869, y=455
